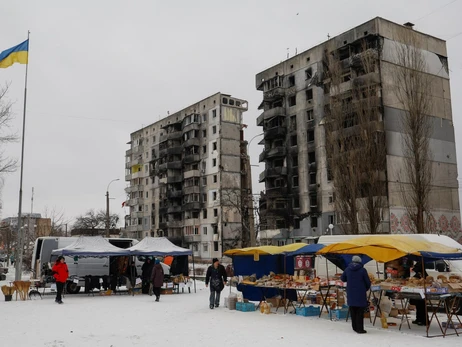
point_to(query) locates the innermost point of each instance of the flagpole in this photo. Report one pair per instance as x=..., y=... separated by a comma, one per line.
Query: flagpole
x=20, y=245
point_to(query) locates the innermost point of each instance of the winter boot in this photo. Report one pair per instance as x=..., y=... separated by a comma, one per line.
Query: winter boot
x=211, y=307
x=157, y=299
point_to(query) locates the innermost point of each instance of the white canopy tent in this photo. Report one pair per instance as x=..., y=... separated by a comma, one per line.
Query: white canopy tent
x=91, y=246
x=160, y=247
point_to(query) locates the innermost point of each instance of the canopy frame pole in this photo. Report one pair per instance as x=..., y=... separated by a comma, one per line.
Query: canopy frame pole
x=194, y=272
x=425, y=296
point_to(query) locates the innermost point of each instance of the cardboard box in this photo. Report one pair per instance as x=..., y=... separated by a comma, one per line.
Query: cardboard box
x=455, y=287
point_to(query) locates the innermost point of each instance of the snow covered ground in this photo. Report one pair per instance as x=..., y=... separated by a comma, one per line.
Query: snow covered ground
x=181, y=320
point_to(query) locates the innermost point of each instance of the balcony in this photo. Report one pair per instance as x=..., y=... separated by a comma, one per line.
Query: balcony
x=175, y=224
x=276, y=171
x=173, y=194
x=273, y=153
x=312, y=167
x=192, y=142
x=274, y=94
x=191, y=173
x=276, y=192
x=175, y=179
x=191, y=190
x=163, y=226
x=128, y=152
x=134, y=228
x=128, y=177
x=163, y=209
x=134, y=188
x=137, y=214
x=192, y=238
x=195, y=205
x=163, y=152
x=174, y=135
x=268, y=114
x=173, y=165
x=175, y=150
x=135, y=201
x=273, y=172
x=191, y=158
x=174, y=209
x=275, y=132
x=191, y=126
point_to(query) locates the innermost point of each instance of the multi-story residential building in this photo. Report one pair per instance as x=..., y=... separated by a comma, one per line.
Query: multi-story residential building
x=32, y=223
x=299, y=200
x=187, y=175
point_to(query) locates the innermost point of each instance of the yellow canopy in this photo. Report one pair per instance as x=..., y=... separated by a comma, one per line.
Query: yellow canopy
x=265, y=250
x=386, y=248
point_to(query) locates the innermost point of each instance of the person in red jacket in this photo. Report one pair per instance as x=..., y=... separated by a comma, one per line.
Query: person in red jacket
x=60, y=273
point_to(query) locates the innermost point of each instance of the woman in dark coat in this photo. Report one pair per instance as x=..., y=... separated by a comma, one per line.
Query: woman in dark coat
x=157, y=279
x=146, y=272
x=421, y=315
x=358, y=283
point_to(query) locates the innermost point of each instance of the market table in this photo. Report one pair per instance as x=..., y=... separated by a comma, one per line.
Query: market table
x=435, y=301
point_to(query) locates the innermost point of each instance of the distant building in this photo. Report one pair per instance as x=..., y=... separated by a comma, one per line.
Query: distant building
x=299, y=201
x=186, y=173
x=33, y=224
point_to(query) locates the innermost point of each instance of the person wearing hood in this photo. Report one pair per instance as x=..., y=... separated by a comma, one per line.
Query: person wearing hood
x=146, y=272
x=157, y=279
x=358, y=283
x=216, y=276
x=60, y=273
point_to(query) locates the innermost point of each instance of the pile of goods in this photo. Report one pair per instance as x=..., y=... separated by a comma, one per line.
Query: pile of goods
x=298, y=281
x=441, y=284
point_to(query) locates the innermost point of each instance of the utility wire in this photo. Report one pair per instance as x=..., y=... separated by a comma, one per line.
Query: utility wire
x=436, y=10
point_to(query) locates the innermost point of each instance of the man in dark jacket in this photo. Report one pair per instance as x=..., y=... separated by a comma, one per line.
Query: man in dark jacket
x=421, y=315
x=358, y=283
x=216, y=275
x=146, y=272
x=157, y=279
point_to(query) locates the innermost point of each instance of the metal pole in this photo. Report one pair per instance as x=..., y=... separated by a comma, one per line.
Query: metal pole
x=107, y=208
x=19, y=246
x=107, y=214
x=194, y=272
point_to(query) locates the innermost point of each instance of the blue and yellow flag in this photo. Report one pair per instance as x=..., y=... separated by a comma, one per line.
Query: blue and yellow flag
x=17, y=54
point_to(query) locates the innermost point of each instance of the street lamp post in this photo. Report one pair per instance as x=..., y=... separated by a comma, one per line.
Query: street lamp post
x=331, y=227
x=107, y=208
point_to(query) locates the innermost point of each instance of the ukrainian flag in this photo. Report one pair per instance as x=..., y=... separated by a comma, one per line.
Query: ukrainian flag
x=17, y=54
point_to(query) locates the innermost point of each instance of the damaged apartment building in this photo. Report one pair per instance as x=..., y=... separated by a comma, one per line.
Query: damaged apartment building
x=187, y=176
x=299, y=202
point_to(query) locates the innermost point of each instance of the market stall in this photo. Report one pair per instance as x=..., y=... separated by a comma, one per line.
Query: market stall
x=436, y=293
x=162, y=247
x=270, y=272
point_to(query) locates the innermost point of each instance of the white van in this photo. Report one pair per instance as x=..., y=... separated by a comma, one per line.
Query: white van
x=78, y=267
x=434, y=269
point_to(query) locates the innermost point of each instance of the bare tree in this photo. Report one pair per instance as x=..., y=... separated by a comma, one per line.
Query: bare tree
x=7, y=237
x=234, y=200
x=412, y=87
x=355, y=139
x=59, y=221
x=6, y=116
x=93, y=220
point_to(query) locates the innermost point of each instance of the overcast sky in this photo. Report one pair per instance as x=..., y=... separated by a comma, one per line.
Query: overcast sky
x=100, y=70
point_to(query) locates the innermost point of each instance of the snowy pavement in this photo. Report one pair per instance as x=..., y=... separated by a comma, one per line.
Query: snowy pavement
x=180, y=320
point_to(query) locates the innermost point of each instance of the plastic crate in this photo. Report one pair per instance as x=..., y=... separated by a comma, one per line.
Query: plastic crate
x=245, y=306
x=338, y=314
x=309, y=311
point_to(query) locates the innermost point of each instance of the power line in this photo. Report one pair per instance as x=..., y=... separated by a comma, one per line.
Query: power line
x=436, y=10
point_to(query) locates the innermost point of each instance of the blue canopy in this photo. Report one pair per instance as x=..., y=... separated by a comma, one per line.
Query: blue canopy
x=308, y=249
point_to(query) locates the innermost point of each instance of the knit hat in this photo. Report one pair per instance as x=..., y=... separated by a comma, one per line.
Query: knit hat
x=214, y=260
x=356, y=259
x=157, y=261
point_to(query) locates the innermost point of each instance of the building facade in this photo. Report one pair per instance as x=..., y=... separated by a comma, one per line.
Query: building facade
x=187, y=177
x=299, y=198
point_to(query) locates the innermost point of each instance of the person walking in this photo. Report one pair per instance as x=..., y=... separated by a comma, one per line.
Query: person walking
x=146, y=272
x=157, y=279
x=216, y=276
x=358, y=283
x=60, y=273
